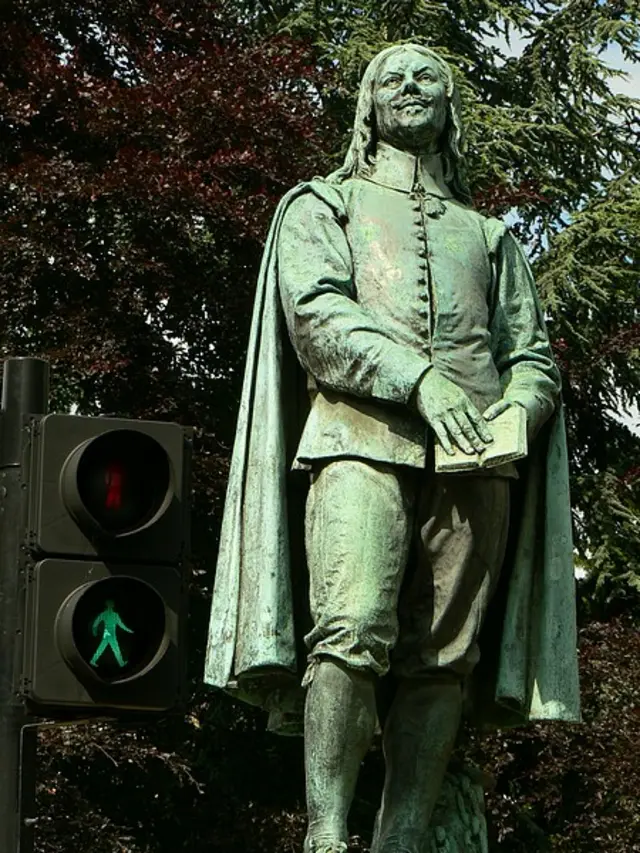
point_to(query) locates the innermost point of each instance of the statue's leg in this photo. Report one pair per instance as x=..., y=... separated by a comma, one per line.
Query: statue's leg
x=340, y=716
x=462, y=525
x=419, y=736
x=358, y=531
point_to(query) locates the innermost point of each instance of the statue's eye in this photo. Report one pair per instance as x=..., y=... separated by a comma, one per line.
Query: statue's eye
x=391, y=82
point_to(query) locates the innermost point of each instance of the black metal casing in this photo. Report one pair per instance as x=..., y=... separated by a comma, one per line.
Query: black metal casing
x=52, y=530
x=62, y=556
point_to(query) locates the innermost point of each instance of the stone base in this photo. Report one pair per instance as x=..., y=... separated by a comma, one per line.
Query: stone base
x=458, y=823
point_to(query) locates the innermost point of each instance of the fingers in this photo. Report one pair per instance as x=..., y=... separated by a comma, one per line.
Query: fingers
x=480, y=425
x=496, y=409
x=457, y=433
x=441, y=431
x=469, y=432
x=462, y=431
x=474, y=429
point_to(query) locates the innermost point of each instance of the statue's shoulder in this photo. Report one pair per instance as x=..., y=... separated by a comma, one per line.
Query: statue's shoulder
x=315, y=192
x=493, y=229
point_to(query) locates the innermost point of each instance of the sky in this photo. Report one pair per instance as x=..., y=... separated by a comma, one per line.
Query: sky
x=613, y=57
x=630, y=86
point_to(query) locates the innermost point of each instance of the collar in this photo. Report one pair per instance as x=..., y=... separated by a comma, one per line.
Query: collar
x=400, y=170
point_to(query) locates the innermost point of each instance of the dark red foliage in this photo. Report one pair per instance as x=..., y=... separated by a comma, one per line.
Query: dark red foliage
x=499, y=199
x=217, y=781
x=144, y=149
x=575, y=788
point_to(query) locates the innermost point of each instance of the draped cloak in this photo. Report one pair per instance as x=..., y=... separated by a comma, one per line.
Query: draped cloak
x=259, y=613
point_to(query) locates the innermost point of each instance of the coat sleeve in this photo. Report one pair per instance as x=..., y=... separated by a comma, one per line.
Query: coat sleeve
x=521, y=349
x=336, y=340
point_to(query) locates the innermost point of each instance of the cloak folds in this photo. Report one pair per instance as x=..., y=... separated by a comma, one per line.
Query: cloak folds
x=259, y=611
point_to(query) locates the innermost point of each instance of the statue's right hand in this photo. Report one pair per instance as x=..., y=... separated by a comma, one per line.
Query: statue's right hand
x=451, y=414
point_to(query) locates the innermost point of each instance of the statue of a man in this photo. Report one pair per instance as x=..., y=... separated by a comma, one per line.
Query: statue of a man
x=412, y=320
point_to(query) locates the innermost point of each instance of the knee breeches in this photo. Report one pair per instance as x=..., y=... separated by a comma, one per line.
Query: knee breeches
x=402, y=566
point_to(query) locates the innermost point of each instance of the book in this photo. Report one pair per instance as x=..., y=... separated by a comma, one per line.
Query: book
x=509, y=431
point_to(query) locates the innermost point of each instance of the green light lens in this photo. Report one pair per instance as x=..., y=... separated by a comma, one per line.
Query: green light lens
x=118, y=627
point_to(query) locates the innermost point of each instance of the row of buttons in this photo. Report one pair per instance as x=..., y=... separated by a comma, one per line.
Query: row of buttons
x=423, y=253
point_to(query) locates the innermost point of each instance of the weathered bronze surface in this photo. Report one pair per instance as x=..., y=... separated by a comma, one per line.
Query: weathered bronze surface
x=390, y=316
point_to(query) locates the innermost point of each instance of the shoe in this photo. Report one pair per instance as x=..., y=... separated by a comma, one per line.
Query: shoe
x=393, y=847
x=323, y=847
x=390, y=845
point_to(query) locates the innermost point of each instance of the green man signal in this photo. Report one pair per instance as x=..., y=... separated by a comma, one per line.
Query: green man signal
x=111, y=621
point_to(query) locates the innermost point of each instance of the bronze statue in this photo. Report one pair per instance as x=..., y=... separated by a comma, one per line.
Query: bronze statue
x=400, y=370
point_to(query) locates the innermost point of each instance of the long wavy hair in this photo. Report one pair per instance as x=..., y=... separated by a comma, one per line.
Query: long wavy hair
x=361, y=154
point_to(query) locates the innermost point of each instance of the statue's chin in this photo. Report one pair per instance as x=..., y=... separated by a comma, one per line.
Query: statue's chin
x=412, y=136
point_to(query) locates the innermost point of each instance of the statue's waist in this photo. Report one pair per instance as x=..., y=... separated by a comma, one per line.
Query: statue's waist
x=342, y=425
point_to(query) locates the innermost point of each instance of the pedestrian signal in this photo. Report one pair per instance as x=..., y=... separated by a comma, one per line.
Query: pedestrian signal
x=113, y=630
x=107, y=535
x=111, y=621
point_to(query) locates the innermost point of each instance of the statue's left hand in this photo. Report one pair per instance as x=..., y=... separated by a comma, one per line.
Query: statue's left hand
x=501, y=406
x=496, y=409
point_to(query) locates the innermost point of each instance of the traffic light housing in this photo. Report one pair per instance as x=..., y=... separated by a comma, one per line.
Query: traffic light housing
x=107, y=536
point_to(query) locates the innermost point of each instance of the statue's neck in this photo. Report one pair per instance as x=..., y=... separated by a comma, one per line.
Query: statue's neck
x=401, y=170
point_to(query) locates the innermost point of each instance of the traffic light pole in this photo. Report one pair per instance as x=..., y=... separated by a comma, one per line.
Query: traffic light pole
x=25, y=390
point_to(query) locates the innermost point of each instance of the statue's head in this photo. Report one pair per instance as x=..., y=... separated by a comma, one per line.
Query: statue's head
x=409, y=99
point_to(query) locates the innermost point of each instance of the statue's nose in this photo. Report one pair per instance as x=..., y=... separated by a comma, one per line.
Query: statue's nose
x=410, y=86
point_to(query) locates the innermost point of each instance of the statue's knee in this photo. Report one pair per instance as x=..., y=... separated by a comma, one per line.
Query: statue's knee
x=360, y=670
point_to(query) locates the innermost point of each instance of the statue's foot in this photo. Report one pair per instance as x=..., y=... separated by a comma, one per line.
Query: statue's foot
x=389, y=845
x=340, y=847
x=311, y=846
x=394, y=848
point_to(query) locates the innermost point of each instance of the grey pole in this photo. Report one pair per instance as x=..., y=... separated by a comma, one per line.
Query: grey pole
x=25, y=390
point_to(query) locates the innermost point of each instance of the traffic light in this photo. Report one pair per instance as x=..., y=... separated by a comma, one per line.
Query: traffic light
x=107, y=535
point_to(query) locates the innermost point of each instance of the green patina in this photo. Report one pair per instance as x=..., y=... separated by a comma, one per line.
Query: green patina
x=426, y=334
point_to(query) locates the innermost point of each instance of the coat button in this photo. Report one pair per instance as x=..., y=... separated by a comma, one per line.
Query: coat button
x=422, y=253
x=418, y=221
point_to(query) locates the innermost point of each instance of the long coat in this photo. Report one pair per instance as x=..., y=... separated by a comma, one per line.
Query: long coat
x=259, y=610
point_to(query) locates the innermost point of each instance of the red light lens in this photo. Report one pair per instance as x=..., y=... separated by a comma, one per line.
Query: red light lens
x=122, y=479
x=113, y=480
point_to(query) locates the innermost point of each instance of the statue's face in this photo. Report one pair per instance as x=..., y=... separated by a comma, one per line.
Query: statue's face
x=410, y=102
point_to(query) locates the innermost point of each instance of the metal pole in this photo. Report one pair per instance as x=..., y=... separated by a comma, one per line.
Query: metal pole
x=25, y=390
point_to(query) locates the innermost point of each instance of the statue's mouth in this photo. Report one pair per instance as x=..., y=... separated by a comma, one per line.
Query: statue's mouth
x=414, y=102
